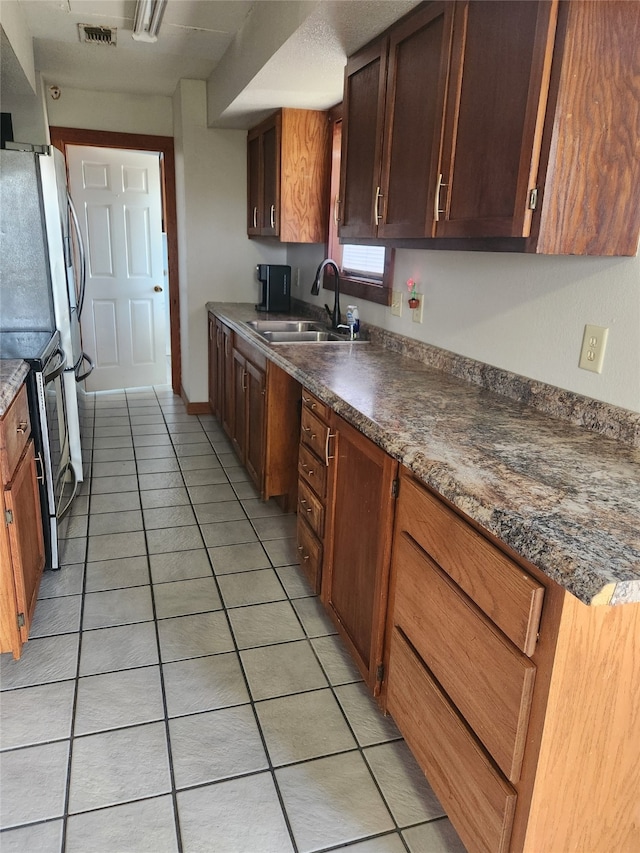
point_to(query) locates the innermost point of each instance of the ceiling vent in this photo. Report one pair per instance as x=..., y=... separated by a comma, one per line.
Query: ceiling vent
x=91, y=34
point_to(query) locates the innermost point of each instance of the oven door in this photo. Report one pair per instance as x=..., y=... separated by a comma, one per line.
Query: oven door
x=60, y=475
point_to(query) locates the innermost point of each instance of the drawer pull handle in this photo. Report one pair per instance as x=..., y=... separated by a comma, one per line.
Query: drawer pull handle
x=308, y=402
x=22, y=427
x=303, y=504
x=307, y=470
x=308, y=430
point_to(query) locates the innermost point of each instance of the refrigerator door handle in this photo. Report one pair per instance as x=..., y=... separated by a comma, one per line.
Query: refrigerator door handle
x=88, y=372
x=81, y=255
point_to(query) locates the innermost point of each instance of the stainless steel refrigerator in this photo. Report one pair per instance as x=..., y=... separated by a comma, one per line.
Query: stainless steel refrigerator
x=42, y=266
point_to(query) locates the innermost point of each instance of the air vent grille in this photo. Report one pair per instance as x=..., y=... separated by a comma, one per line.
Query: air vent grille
x=91, y=34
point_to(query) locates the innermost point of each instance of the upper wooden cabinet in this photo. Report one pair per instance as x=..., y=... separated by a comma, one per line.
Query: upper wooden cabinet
x=393, y=101
x=495, y=121
x=287, y=174
x=494, y=114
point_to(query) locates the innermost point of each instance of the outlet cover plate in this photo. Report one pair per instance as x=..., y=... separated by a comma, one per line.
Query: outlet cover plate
x=396, y=303
x=594, y=343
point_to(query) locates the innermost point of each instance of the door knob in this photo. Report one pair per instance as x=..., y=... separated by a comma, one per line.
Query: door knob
x=157, y=288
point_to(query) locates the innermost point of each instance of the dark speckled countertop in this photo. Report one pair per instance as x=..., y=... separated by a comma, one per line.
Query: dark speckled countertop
x=564, y=498
x=13, y=372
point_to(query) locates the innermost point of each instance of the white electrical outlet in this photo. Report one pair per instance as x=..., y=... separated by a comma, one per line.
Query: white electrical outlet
x=594, y=343
x=416, y=313
x=396, y=303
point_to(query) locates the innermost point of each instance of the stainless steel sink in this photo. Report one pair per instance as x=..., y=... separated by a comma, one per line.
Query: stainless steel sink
x=285, y=326
x=297, y=332
x=300, y=337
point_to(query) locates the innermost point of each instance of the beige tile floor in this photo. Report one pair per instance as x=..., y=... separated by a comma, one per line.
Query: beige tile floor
x=182, y=689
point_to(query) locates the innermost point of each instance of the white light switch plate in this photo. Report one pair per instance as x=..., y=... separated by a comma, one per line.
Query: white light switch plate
x=416, y=313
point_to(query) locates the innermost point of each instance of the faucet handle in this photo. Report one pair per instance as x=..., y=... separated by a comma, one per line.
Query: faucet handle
x=350, y=326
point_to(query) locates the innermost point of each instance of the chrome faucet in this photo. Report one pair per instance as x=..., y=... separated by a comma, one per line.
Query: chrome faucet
x=336, y=319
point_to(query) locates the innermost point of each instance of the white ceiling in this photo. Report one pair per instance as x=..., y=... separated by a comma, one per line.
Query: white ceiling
x=304, y=70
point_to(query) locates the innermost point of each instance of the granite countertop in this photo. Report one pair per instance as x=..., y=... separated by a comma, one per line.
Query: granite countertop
x=13, y=372
x=562, y=497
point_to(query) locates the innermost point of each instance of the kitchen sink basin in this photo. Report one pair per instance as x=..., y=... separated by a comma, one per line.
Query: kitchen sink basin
x=302, y=337
x=297, y=332
x=290, y=326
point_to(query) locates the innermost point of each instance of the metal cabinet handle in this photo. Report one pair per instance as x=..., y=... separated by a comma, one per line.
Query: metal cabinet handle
x=308, y=402
x=326, y=448
x=376, y=213
x=303, y=504
x=436, y=203
x=244, y=380
x=255, y=217
x=306, y=469
x=40, y=476
x=272, y=216
x=307, y=430
x=22, y=427
x=336, y=211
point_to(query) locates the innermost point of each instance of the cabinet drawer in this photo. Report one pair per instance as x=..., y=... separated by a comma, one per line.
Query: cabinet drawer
x=314, y=433
x=311, y=509
x=478, y=800
x=506, y=593
x=311, y=402
x=486, y=677
x=309, y=554
x=15, y=428
x=313, y=471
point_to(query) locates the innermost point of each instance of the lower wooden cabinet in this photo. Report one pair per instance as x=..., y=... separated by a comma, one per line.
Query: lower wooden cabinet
x=345, y=519
x=21, y=539
x=358, y=544
x=518, y=701
x=257, y=404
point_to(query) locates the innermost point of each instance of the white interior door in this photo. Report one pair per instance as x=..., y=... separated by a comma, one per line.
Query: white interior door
x=118, y=198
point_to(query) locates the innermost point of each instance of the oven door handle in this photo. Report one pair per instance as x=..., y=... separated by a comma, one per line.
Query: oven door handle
x=68, y=469
x=57, y=371
x=88, y=372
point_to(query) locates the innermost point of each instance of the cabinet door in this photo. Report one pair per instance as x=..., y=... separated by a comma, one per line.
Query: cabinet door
x=418, y=65
x=239, y=437
x=497, y=96
x=356, y=573
x=226, y=395
x=213, y=365
x=270, y=225
x=22, y=500
x=256, y=387
x=254, y=190
x=363, y=110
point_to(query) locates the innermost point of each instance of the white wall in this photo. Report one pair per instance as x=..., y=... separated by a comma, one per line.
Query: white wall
x=523, y=313
x=114, y=111
x=217, y=260
x=20, y=41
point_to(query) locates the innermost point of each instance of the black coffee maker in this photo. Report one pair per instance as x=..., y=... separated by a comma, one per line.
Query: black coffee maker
x=276, y=287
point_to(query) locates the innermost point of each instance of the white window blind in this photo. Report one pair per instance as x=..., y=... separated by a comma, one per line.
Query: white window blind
x=363, y=260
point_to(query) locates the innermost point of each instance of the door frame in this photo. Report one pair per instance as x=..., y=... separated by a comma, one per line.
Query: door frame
x=63, y=136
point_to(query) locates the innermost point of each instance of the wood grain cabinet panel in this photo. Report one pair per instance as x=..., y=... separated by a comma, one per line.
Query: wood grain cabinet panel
x=288, y=174
x=497, y=95
x=486, y=677
x=477, y=799
x=393, y=102
x=474, y=124
x=360, y=509
x=21, y=536
x=508, y=595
